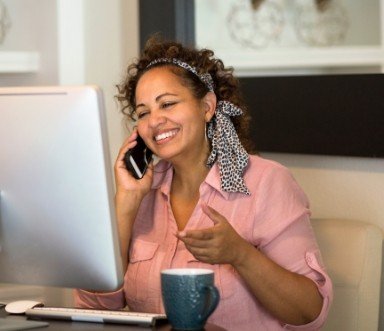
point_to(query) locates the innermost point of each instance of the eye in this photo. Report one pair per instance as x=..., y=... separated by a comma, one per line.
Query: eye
x=167, y=104
x=142, y=114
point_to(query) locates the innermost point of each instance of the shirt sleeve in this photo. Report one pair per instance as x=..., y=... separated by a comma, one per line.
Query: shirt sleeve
x=111, y=300
x=284, y=233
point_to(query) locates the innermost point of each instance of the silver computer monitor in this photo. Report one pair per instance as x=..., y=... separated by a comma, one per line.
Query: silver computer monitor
x=57, y=222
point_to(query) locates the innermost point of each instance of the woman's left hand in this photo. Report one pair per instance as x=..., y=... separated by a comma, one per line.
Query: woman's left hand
x=219, y=244
x=290, y=297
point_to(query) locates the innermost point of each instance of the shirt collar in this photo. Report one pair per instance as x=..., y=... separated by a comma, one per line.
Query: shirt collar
x=164, y=174
x=213, y=179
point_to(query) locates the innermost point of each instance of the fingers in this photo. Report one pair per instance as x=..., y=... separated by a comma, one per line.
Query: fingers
x=129, y=143
x=203, y=255
x=121, y=173
x=205, y=250
x=149, y=173
x=195, y=240
x=131, y=137
x=198, y=239
x=200, y=245
x=216, y=244
x=214, y=215
x=203, y=234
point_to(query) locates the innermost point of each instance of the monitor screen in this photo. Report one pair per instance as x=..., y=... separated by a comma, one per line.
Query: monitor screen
x=57, y=222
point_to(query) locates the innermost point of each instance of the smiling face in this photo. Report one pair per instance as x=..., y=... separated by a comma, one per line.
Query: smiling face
x=170, y=119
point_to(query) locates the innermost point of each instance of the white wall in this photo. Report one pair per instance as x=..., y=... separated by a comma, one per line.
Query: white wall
x=344, y=187
x=33, y=28
x=94, y=48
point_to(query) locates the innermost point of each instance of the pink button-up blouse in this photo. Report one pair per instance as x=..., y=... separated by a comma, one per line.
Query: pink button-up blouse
x=274, y=218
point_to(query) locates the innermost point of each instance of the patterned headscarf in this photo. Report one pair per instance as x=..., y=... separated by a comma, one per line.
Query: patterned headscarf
x=227, y=150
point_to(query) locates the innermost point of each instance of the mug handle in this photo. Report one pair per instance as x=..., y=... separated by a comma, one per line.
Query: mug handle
x=214, y=298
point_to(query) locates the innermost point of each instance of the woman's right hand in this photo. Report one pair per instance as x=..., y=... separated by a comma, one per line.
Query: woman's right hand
x=125, y=182
x=129, y=194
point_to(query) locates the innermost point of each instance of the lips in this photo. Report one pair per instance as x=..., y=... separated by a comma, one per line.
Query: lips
x=165, y=135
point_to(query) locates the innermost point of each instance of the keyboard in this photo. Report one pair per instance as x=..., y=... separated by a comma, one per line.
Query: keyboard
x=97, y=316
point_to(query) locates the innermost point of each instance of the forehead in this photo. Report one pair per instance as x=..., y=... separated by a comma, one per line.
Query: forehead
x=159, y=74
x=157, y=80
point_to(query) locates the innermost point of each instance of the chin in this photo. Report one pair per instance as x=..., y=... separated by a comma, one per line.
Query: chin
x=167, y=156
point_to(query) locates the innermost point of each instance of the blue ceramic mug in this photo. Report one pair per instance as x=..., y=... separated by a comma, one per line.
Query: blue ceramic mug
x=189, y=297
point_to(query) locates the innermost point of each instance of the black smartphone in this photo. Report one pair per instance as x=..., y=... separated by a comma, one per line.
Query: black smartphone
x=138, y=158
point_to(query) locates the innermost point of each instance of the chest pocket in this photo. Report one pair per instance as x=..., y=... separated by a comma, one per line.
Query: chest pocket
x=141, y=278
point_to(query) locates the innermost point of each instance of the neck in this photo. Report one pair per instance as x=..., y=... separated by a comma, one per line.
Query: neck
x=189, y=173
x=190, y=169
x=188, y=179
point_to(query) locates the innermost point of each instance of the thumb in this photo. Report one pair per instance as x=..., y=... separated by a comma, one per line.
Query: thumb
x=211, y=213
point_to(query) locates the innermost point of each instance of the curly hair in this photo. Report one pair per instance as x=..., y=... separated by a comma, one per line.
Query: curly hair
x=226, y=85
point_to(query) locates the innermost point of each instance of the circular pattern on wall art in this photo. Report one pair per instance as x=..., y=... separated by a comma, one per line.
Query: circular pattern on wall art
x=253, y=27
x=324, y=25
x=5, y=21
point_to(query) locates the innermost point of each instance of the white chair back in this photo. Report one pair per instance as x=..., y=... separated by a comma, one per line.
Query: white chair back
x=352, y=253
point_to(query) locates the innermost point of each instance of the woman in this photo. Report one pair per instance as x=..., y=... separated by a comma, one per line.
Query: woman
x=208, y=203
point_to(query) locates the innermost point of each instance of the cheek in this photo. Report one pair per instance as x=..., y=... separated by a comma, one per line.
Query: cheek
x=197, y=127
x=142, y=129
x=195, y=115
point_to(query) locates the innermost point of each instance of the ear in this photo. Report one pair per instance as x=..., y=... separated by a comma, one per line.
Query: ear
x=209, y=105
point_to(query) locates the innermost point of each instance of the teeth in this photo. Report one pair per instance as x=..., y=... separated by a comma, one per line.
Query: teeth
x=165, y=135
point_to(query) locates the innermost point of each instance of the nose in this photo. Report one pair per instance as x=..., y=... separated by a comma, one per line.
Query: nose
x=156, y=119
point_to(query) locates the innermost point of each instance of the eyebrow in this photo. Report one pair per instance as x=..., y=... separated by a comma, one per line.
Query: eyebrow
x=157, y=98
